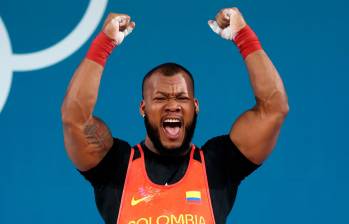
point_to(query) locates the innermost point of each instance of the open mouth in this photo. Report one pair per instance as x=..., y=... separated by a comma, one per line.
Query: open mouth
x=172, y=127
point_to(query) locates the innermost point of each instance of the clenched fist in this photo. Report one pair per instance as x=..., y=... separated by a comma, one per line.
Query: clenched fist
x=228, y=23
x=118, y=26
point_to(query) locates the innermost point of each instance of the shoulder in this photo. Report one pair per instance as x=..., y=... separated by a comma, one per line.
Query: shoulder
x=114, y=163
x=219, y=143
x=221, y=153
x=119, y=151
x=220, y=146
x=218, y=150
x=223, y=146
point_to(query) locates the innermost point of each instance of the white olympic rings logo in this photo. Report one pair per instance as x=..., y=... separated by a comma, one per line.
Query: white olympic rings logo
x=12, y=62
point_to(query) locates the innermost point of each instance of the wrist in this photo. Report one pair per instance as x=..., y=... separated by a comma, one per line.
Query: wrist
x=100, y=49
x=247, y=41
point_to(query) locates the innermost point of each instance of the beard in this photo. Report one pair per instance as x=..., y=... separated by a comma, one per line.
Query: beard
x=154, y=135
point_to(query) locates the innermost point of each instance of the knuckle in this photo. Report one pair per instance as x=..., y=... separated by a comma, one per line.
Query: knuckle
x=111, y=15
x=236, y=10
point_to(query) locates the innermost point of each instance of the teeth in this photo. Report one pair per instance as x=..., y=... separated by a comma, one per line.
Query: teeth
x=171, y=120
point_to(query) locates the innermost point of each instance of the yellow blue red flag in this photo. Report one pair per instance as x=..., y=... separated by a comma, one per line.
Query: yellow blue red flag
x=193, y=196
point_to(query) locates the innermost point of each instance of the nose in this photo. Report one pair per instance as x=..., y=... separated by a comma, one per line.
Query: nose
x=173, y=106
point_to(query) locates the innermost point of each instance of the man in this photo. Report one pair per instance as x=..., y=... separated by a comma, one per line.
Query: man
x=165, y=178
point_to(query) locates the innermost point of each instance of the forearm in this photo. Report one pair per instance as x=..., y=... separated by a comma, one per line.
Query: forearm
x=266, y=83
x=83, y=89
x=82, y=93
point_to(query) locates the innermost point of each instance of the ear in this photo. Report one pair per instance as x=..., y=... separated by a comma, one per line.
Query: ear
x=196, y=104
x=142, y=108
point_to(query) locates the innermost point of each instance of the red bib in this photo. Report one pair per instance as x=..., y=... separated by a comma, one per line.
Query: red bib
x=185, y=202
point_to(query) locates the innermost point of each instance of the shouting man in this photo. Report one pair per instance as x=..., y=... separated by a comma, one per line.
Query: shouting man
x=165, y=178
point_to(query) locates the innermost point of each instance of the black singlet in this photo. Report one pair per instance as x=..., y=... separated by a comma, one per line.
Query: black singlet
x=226, y=167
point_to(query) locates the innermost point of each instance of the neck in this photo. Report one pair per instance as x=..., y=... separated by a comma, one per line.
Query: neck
x=149, y=144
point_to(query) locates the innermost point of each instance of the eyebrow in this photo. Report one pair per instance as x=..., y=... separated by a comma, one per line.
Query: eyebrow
x=180, y=94
x=167, y=94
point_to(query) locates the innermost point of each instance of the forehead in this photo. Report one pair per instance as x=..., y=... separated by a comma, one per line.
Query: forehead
x=180, y=82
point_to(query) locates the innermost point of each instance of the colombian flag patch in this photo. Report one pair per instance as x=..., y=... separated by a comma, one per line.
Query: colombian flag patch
x=193, y=196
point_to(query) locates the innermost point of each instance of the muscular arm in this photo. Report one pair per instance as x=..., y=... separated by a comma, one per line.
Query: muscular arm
x=255, y=132
x=87, y=138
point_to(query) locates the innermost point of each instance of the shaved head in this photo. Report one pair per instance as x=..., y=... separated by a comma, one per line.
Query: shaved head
x=168, y=70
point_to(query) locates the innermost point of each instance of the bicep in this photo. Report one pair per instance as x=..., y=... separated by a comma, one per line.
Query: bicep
x=255, y=133
x=87, y=143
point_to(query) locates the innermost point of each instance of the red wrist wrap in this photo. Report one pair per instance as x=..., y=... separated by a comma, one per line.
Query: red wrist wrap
x=247, y=41
x=101, y=48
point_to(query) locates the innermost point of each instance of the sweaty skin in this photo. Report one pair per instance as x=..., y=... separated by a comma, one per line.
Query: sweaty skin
x=87, y=138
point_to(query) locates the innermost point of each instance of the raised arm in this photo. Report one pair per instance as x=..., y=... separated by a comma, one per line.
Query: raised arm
x=256, y=131
x=87, y=138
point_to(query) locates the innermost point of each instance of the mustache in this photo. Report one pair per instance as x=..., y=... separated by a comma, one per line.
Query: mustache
x=154, y=135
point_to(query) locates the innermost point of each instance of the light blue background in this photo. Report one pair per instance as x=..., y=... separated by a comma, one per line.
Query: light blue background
x=305, y=180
